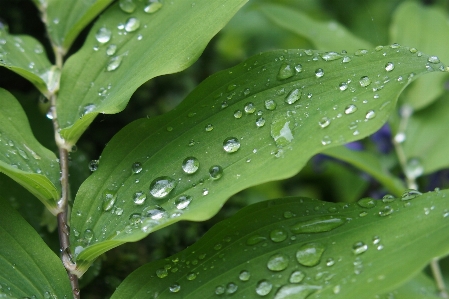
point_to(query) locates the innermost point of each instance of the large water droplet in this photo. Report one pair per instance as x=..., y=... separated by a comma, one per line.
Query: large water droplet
x=364, y=81
x=152, y=7
x=359, y=248
x=389, y=66
x=127, y=6
x=216, y=172
x=162, y=186
x=278, y=235
x=161, y=273
x=410, y=194
x=370, y=114
x=367, y=202
x=260, y=122
x=154, y=213
x=324, y=122
x=285, y=71
x=263, y=287
x=114, y=62
x=297, y=277
x=329, y=56
x=249, y=108
x=343, y=86
x=319, y=73
x=433, y=59
x=309, y=255
x=132, y=24
x=190, y=165
x=350, y=109
x=317, y=225
x=294, y=291
x=136, y=167
x=231, y=144
x=293, y=96
x=278, y=262
x=174, y=288
x=183, y=202
x=238, y=114
x=103, y=35
x=139, y=197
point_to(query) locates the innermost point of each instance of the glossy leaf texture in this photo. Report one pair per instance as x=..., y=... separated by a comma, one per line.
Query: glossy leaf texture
x=65, y=19
x=28, y=267
x=124, y=50
x=371, y=164
x=259, y=121
x=304, y=248
x=325, y=35
x=23, y=158
x=426, y=29
x=26, y=56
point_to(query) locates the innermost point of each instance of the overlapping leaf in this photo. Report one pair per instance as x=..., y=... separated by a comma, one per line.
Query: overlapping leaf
x=425, y=28
x=23, y=158
x=28, y=267
x=124, y=50
x=259, y=121
x=25, y=56
x=302, y=248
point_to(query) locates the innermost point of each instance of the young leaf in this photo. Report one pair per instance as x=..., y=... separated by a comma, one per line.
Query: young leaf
x=66, y=19
x=25, y=56
x=125, y=50
x=304, y=248
x=425, y=28
x=369, y=163
x=259, y=121
x=324, y=35
x=23, y=158
x=28, y=268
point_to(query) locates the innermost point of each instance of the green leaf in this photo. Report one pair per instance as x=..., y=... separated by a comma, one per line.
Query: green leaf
x=28, y=268
x=25, y=56
x=425, y=28
x=141, y=46
x=325, y=35
x=371, y=164
x=66, y=19
x=419, y=287
x=426, y=141
x=239, y=126
x=303, y=248
x=23, y=158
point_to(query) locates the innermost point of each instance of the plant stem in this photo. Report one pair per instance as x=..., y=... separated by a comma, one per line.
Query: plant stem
x=436, y=271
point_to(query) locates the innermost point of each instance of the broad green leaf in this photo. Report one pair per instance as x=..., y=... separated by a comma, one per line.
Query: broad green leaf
x=304, y=248
x=23, y=158
x=28, y=267
x=426, y=141
x=125, y=50
x=25, y=56
x=425, y=28
x=371, y=164
x=256, y=122
x=325, y=35
x=66, y=19
x=419, y=287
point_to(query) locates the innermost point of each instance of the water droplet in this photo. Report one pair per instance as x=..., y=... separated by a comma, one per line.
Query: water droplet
x=326, y=140
x=190, y=165
x=433, y=59
x=350, y=109
x=209, y=127
x=298, y=68
x=154, y=213
x=136, y=167
x=162, y=186
x=294, y=291
x=343, y=86
x=103, y=35
x=388, y=198
x=285, y=71
x=410, y=194
x=238, y=114
x=414, y=168
x=324, y=122
x=127, y=6
x=293, y=96
x=360, y=52
x=191, y=276
x=365, y=81
x=219, y=290
x=319, y=73
x=278, y=235
x=216, y=172
x=270, y=105
x=88, y=108
x=260, y=122
x=370, y=114
x=152, y=7
x=309, y=255
x=205, y=191
x=183, y=202
x=359, y=248
x=114, y=62
x=317, y=225
x=244, y=275
x=256, y=239
x=297, y=277
x=231, y=288
x=249, y=108
x=263, y=287
x=246, y=92
x=231, y=144
x=231, y=87
x=93, y=165
x=385, y=211
x=346, y=59
x=174, y=288
x=139, y=197
x=389, y=66
x=329, y=56
x=132, y=24
x=367, y=202
x=88, y=235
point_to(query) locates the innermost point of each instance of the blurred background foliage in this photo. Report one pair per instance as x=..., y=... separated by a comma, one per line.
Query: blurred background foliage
x=248, y=33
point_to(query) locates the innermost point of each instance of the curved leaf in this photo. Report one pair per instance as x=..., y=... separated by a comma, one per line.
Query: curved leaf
x=259, y=121
x=419, y=287
x=25, y=56
x=123, y=51
x=324, y=35
x=66, y=19
x=303, y=248
x=28, y=267
x=23, y=158
x=426, y=28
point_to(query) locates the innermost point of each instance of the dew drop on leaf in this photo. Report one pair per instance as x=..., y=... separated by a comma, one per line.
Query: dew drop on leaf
x=136, y=167
x=389, y=66
x=161, y=272
x=93, y=165
x=132, y=24
x=219, y=290
x=103, y=35
x=209, y=127
x=215, y=172
x=109, y=198
x=263, y=287
x=191, y=276
x=319, y=73
x=255, y=239
x=293, y=96
x=152, y=7
x=278, y=235
x=183, y=202
x=370, y=114
x=309, y=254
x=343, y=86
x=238, y=114
x=297, y=277
x=324, y=122
x=410, y=194
x=231, y=144
x=367, y=202
x=260, y=122
x=110, y=50
x=298, y=68
x=386, y=211
x=278, y=262
x=249, y=108
x=270, y=105
x=190, y=165
x=244, y=275
x=154, y=213
x=175, y=288
x=388, y=198
x=365, y=81
x=231, y=288
x=88, y=108
x=162, y=186
x=296, y=291
x=127, y=6
x=350, y=109
x=359, y=248
x=317, y=225
x=285, y=71
x=139, y=197
x=114, y=62
x=433, y=59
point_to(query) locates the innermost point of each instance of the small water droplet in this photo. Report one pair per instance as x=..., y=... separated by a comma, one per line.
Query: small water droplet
x=154, y=213
x=174, y=288
x=285, y=71
x=152, y=7
x=270, y=105
x=298, y=68
x=103, y=35
x=88, y=235
x=209, y=127
x=326, y=140
x=350, y=109
x=231, y=144
x=385, y=211
x=215, y=172
x=246, y=92
x=433, y=59
x=190, y=165
x=370, y=114
x=297, y=277
x=260, y=122
x=329, y=56
x=249, y=108
x=293, y=96
x=389, y=66
x=88, y=108
x=183, y=202
x=136, y=167
x=346, y=59
x=388, y=198
x=231, y=288
x=244, y=275
x=343, y=86
x=132, y=24
x=93, y=165
x=359, y=248
x=324, y=122
x=365, y=81
x=367, y=202
x=162, y=186
x=410, y=194
x=139, y=197
x=219, y=290
x=278, y=262
x=115, y=62
x=278, y=235
x=319, y=73
x=263, y=287
x=309, y=255
x=317, y=225
x=127, y=6
x=238, y=114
